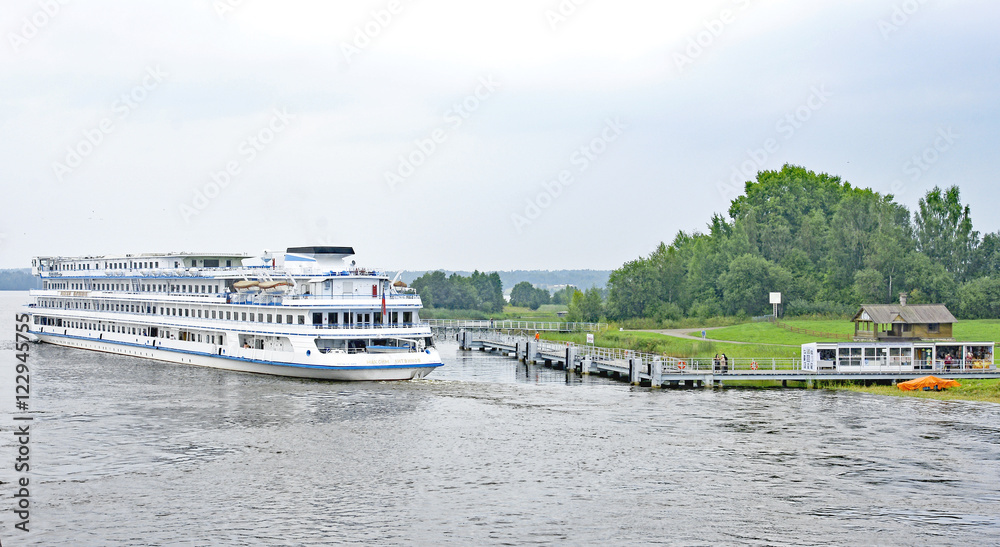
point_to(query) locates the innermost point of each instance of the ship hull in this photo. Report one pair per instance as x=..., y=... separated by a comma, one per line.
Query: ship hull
x=356, y=367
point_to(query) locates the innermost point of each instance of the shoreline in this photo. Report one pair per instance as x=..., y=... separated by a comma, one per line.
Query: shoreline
x=983, y=391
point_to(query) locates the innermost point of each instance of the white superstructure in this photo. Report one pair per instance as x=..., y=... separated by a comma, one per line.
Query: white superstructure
x=302, y=313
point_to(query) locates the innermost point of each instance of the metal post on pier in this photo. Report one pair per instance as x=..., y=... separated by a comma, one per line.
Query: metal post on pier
x=570, y=359
x=531, y=352
x=656, y=372
x=634, y=368
x=585, y=365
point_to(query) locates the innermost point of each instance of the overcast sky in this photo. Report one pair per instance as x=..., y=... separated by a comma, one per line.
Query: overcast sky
x=461, y=134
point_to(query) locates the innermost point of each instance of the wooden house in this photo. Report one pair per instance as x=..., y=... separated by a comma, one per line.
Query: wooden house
x=902, y=322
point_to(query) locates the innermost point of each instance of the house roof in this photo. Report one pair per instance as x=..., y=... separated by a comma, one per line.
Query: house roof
x=912, y=313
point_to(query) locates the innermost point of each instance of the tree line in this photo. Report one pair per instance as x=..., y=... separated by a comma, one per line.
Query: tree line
x=479, y=291
x=484, y=292
x=19, y=279
x=825, y=245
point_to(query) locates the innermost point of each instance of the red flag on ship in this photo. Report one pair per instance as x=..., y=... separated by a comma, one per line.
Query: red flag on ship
x=383, y=307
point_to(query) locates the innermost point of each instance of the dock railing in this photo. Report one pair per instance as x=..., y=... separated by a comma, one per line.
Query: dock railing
x=509, y=324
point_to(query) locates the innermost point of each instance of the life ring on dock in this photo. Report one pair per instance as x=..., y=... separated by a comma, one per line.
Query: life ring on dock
x=753, y=365
x=681, y=365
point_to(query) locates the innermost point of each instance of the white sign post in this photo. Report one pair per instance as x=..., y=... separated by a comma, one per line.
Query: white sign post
x=775, y=301
x=590, y=338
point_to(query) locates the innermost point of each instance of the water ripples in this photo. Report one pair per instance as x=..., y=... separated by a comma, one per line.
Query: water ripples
x=488, y=451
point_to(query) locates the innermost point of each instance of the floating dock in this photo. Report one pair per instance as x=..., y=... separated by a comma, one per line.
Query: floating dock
x=661, y=371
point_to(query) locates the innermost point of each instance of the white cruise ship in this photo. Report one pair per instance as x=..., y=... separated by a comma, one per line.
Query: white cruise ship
x=304, y=312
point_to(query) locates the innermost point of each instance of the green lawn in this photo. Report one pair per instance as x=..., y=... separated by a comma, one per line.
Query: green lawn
x=970, y=390
x=767, y=333
x=652, y=342
x=543, y=313
x=979, y=330
x=835, y=326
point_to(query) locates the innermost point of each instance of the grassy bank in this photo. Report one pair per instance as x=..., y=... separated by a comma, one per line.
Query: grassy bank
x=652, y=342
x=978, y=330
x=971, y=390
x=768, y=333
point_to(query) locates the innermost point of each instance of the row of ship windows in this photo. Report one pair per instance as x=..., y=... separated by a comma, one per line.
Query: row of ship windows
x=318, y=318
x=107, y=265
x=132, y=265
x=145, y=287
x=126, y=329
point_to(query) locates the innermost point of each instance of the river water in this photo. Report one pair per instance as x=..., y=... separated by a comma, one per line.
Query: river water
x=126, y=451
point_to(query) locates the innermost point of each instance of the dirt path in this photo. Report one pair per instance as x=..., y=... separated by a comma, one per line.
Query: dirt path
x=695, y=334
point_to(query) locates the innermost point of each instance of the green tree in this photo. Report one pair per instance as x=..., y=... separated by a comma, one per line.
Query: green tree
x=868, y=286
x=944, y=231
x=489, y=291
x=980, y=298
x=987, y=256
x=928, y=282
x=586, y=306
x=480, y=291
x=564, y=295
x=749, y=279
x=524, y=294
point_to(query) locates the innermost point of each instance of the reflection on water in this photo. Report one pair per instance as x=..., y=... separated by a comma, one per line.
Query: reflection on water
x=485, y=450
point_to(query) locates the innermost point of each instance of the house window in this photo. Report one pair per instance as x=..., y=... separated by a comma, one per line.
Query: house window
x=907, y=327
x=934, y=327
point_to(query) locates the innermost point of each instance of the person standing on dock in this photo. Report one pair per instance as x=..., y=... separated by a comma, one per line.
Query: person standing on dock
x=715, y=363
x=725, y=363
